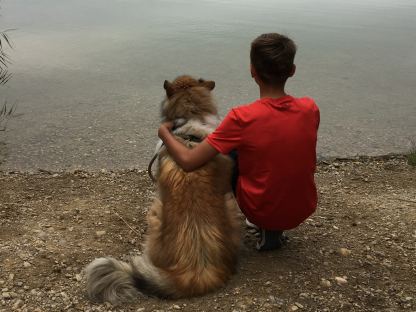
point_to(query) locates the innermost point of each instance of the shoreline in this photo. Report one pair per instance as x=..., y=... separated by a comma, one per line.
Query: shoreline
x=320, y=161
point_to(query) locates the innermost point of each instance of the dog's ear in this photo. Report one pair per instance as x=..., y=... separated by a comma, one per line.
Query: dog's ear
x=169, y=88
x=210, y=85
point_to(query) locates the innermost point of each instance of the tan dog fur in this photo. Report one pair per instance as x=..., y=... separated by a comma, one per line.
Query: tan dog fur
x=193, y=232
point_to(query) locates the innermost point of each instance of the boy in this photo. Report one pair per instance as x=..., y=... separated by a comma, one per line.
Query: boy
x=275, y=139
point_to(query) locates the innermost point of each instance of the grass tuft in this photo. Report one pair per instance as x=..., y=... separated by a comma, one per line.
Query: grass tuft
x=411, y=157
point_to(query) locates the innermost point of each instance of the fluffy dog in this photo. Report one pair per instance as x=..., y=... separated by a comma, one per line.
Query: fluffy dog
x=193, y=233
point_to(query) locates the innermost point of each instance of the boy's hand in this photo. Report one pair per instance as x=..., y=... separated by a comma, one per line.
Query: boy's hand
x=165, y=128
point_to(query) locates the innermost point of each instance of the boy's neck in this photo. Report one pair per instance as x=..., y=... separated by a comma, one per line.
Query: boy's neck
x=267, y=91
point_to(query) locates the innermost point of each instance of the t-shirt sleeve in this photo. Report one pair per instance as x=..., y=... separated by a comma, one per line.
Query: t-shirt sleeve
x=228, y=134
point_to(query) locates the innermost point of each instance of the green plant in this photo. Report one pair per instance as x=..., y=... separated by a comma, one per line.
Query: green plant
x=5, y=111
x=411, y=156
x=4, y=57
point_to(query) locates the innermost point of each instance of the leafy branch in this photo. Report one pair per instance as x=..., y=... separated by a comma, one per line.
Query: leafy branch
x=4, y=57
x=6, y=111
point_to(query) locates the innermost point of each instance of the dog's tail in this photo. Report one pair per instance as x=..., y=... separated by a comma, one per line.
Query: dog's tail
x=115, y=281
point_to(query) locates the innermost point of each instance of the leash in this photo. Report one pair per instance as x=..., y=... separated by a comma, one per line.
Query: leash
x=149, y=167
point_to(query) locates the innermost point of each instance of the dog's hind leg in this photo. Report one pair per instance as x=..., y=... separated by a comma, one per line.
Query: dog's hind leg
x=153, y=245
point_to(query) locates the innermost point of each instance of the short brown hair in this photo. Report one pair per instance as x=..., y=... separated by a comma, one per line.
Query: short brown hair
x=272, y=57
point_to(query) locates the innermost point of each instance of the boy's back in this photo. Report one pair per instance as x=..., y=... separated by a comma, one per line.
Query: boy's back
x=276, y=143
x=275, y=138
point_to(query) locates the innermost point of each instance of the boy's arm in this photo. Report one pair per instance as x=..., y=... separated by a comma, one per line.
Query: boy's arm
x=188, y=159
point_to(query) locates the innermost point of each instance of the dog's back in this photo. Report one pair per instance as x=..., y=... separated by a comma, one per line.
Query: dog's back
x=193, y=233
x=196, y=248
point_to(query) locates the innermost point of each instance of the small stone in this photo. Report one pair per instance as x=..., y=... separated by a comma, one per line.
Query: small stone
x=140, y=310
x=18, y=304
x=344, y=252
x=100, y=233
x=6, y=295
x=176, y=307
x=11, y=276
x=268, y=283
x=78, y=277
x=300, y=306
x=42, y=235
x=26, y=264
x=340, y=280
x=294, y=308
x=325, y=283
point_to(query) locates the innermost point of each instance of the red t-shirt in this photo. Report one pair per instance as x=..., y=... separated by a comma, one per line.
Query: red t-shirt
x=276, y=144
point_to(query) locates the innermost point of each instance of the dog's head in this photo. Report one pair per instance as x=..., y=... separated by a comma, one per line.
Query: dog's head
x=187, y=97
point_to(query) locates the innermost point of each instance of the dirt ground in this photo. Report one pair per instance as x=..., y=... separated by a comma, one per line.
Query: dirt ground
x=356, y=253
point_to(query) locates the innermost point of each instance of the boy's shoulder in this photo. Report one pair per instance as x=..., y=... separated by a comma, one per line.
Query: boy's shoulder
x=308, y=103
x=305, y=103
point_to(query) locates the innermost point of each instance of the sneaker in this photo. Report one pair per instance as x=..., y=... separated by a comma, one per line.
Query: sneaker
x=270, y=240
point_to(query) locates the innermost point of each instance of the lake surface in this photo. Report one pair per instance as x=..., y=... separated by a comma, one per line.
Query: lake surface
x=88, y=74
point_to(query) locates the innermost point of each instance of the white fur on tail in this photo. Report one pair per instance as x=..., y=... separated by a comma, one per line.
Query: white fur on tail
x=116, y=281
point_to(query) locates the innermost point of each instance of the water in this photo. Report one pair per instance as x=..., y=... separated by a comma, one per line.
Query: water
x=88, y=75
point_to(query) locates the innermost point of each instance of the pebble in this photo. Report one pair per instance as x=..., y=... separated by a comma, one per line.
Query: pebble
x=26, y=264
x=344, y=252
x=176, y=307
x=325, y=283
x=6, y=295
x=18, y=304
x=294, y=308
x=298, y=305
x=100, y=233
x=42, y=235
x=340, y=280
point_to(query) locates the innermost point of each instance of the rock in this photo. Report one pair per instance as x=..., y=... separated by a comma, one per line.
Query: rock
x=298, y=305
x=42, y=235
x=293, y=308
x=340, y=280
x=268, y=283
x=176, y=307
x=78, y=277
x=325, y=283
x=6, y=295
x=344, y=252
x=18, y=304
x=100, y=233
x=26, y=264
x=140, y=310
x=11, y=276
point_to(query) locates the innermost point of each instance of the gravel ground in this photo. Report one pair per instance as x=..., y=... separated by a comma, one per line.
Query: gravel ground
x=357, y=253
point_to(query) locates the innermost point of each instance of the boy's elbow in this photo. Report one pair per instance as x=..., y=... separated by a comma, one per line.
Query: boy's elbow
x=187, y=165
x=188, y=168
